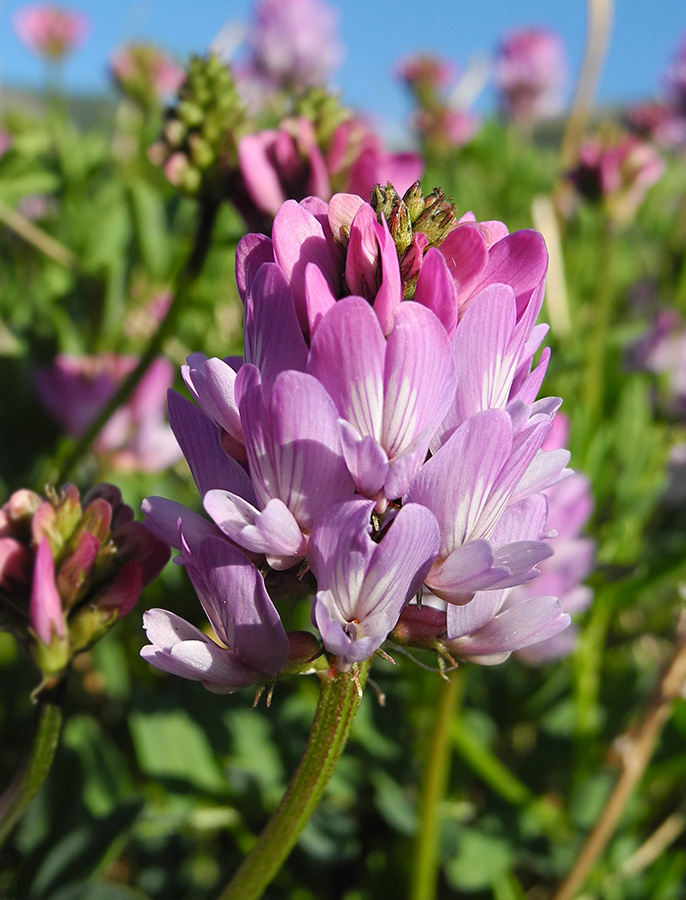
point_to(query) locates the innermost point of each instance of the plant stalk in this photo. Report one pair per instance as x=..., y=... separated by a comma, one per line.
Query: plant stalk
x=339, y=698
x=16, y=799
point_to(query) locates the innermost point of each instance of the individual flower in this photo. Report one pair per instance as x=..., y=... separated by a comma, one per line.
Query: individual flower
x=70, y=567
x=50, y=31
x=530, y=72
x=441, y=125
x=379, y=437
x=294, y=43
x=570, y=504
x=616, y=171
x=145, y=72
x=75, y=389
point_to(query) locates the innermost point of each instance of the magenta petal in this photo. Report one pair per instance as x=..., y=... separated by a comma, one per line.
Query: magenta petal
x=318, y=296
x=244, y=616
x=465, y=252
x=390, y=292
x=299, y=239
x=520, y=260
x=252, y=251
x=436, y=289
x=45, y=607
x=211, y=382
x=259, y=174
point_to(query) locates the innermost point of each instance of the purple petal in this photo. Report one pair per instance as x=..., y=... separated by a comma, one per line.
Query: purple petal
x=162, y=520
x=199, y=441
x=244, y=616
x=251, y=252
x=45, y=607
x=274, y=531
x=465, y=252
x=273, y=338
x=520, y=260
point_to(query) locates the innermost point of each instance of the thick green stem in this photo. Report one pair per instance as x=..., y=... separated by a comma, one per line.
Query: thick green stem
x=432, y=791
x=16, y=799
x=339, y=699
x=193, y=267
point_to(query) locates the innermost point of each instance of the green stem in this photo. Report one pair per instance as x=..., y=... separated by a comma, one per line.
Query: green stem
x=432, y=791
x=339, y=699
x=602, y=309
x=77, y=449
x=16, y=799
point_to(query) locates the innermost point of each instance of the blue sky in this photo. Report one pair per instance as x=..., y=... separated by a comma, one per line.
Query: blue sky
x=376, y=34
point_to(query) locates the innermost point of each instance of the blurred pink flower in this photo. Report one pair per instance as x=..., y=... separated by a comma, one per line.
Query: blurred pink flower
x=50, y=31
x=425, y=70
x=75, y=389
x=531, y=74
x=295, y=42
x=617, y=172
x=145, y=72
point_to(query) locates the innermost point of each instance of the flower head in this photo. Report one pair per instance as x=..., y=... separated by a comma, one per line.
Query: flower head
x=50, y=31
x=530, y=73
x=145, y=72
x=380, y=436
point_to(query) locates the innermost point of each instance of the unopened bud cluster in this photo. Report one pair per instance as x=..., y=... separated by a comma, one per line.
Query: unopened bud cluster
x=70, y=567
x=201, y=132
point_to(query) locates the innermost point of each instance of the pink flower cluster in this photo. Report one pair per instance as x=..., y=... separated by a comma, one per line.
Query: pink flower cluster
x=70, y=567
x=381, y=436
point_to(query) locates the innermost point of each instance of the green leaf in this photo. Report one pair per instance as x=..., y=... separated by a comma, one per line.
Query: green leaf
x=481, y=860
x=171, y=745
x=150, y=223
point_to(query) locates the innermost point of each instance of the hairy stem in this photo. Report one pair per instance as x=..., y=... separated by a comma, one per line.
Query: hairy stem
x=339, y=698
x=16, y=799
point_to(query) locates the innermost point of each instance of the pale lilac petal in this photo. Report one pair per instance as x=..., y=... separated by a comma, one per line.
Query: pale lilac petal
x=464, y=619
x=468, y=568
x=547, y=469
x=347, y=357
x=366, y=460
x=436, y=289
x=457, y=482
x=419, y=377
x=212, y=383
x=520, y=626
x=272, y=531
x=177, y=647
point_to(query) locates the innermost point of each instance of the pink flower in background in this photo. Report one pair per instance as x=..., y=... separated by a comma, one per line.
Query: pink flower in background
x=294, y=43
x=51, y=31
x=531, y=74
x=616, y=172
x=145, y=72
x=675, y=79
x=75, y=389
x=287, y=163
